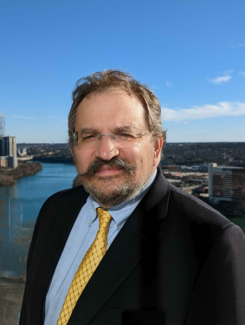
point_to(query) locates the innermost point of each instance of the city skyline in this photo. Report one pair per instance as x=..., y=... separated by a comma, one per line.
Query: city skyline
x=191, y=53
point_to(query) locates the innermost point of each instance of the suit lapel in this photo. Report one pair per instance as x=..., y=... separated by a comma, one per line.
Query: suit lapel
x=125, y=252
x=122, y=256
x=47, y=255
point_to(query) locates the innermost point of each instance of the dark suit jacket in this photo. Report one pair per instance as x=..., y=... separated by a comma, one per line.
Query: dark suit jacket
x=176, y=261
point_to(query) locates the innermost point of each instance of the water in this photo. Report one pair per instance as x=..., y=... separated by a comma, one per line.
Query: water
x=19, y=207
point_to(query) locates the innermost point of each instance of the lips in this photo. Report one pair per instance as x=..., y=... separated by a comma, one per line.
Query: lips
x=109, y=167
x=108, y=170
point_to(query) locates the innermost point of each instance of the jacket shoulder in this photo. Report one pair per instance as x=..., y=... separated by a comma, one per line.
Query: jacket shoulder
x=66, y=196
x=54, y=205
x=201, y=217
x=55, y=202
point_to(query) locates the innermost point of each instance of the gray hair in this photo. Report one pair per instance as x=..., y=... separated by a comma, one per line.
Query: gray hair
x=100, y=81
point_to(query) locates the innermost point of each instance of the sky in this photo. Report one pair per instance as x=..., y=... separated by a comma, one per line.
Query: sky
x=190, y=52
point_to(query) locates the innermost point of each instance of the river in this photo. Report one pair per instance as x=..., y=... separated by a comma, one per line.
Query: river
x=19, y=207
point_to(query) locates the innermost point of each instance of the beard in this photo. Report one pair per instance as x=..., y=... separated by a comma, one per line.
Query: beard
x=109, y=194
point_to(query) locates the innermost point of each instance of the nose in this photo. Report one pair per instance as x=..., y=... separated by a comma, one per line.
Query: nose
x=106, y=149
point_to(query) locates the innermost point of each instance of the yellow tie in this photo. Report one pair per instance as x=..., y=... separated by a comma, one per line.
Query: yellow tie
x=87, y=267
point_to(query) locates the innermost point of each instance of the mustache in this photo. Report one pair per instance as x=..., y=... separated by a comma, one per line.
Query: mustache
x=96, y=164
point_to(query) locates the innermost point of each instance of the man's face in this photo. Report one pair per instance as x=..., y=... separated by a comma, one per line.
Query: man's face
x=108, y=113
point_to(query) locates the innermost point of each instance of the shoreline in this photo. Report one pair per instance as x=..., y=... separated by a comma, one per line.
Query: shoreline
x=11, y=297
x=54, y=160
x=8, y=176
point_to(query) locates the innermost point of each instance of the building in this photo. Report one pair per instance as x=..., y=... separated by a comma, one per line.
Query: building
x=2, y=125
x=12, y=161
x=3, y=161
x=8, y=149
x=8, y=146
x=203, y=168
x=22, y=152
x=226, y=183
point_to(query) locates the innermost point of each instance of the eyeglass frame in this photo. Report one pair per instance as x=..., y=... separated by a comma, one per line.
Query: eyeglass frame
x=111, y=135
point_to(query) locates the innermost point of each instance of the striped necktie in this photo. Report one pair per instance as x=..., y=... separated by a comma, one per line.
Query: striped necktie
x=87, y=267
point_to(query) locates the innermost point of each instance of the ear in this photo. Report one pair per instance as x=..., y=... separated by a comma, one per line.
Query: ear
x=158, y=144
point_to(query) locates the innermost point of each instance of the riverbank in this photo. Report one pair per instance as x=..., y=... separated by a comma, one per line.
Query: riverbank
x=54, y=159
x=20, y=206
x=9, y=175
x=11, y=296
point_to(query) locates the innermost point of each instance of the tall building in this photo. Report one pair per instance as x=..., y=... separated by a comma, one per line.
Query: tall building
x=12, y=161
x=2, y=125
x=226, y=183
x=2, y=151
x=8, y=148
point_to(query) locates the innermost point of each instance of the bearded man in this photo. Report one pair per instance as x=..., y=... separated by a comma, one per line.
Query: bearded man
x=127, y=247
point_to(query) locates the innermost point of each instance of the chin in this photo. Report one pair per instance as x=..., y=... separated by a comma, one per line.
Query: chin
x=109, y=192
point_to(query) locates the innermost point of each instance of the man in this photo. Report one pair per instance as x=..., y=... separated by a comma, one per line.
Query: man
x=127, y=247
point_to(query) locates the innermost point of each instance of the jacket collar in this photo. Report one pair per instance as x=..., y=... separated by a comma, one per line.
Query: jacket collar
x=159, y=191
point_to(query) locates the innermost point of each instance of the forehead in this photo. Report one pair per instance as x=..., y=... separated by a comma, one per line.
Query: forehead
x=111, y=108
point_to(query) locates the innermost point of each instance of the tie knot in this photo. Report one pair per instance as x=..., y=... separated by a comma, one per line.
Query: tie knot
x=104, y=219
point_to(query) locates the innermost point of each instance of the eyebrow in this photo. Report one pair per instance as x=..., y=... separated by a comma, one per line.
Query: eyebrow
x=88, y=130
x=126, y=128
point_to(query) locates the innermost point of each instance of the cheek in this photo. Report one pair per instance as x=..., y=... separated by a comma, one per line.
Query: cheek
x=140, y=156
x=139, y=149
x=82, y=160
x=131, y=154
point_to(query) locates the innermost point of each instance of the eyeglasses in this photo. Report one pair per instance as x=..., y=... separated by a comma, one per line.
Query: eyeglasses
x=92, y=140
